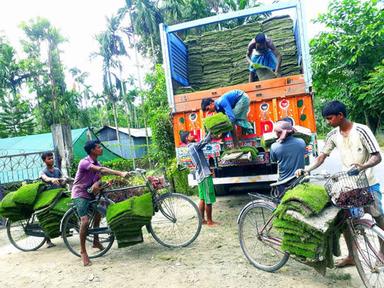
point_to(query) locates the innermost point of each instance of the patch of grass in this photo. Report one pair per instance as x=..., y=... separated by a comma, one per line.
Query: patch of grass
x=339, y=276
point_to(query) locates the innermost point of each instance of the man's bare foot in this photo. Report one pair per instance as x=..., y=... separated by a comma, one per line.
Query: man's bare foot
x=204, y=222
x=345, y=262
x=85, y=259
x=98, y=245
x=212, y=223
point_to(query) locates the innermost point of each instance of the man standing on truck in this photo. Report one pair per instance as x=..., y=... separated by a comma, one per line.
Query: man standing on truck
x=203, y=175
x=358, y=148
x=265, y=54
x=235, y=104
x=288, y=152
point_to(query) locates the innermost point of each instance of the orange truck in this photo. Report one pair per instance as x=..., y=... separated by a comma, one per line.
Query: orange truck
x=271, y=100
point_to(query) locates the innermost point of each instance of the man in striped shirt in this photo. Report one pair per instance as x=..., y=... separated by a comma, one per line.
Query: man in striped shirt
x=358, y=148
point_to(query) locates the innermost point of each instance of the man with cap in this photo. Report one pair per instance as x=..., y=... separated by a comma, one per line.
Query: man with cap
x=265, y=54
x=203, y=175
x=287, y=151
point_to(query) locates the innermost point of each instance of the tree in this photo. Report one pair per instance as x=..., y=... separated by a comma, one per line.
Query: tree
x=15, y=113
x=157, y=110
x=15, y=116
x=347, y=53
x=55, y=104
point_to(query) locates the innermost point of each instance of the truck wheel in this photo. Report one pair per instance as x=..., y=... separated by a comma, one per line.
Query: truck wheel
x=221, y=190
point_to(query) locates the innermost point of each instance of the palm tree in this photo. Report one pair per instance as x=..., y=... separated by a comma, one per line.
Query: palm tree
x=111, y=46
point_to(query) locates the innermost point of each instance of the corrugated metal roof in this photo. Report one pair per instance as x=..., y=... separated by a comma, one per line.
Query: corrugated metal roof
x=135, y=132
x=32, y=143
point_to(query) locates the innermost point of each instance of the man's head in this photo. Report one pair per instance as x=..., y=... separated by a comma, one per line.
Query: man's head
x=186, y=137
x=261, y=41
x=283, y=129
x=334, y=113
x=208, y=104
x=47, y=158
x=93, y=147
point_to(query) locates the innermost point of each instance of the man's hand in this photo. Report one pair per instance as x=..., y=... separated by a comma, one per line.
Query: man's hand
x=124, y=174
x=355, y=170
x=300, y=172
x=55, y=181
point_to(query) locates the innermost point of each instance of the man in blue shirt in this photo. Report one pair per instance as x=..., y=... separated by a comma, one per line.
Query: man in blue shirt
x=288, y=152
x=234, y=104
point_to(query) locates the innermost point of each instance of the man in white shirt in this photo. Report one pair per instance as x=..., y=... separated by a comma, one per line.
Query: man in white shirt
x=358, y=148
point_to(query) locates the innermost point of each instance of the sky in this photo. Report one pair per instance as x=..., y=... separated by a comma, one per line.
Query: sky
x=80, y=20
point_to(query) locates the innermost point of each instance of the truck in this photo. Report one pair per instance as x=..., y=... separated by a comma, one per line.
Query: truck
x=191, y=75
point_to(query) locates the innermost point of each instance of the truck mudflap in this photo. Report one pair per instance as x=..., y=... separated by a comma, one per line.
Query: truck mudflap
x=236, y=179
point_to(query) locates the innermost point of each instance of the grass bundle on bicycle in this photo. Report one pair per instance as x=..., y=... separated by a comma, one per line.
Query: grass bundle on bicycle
x=50, y=207
x=126, y=219
x=18, y=205
x=307, y=225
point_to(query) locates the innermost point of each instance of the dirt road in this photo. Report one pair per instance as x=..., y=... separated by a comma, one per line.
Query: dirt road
x=214, y=260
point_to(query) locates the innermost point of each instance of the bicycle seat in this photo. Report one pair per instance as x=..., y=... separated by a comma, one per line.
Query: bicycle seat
x=285, y=181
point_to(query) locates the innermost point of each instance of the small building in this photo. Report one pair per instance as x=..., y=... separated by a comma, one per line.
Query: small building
x=20, y=157
x=133, y=142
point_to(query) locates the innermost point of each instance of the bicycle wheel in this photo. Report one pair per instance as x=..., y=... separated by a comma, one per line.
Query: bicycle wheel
x=24, y=234
x=178, y=221
x=70, y=232
x=259, y=241
x=367, y=247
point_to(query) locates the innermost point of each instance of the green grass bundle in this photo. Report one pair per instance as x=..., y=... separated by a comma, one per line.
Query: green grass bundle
x=245, y=149
x=8, y=201
x=62, y=206
x=218, y=123
x=50, y=223
x=268, y=139
x=115, y=210
x=50, y=219
x=12, y=211
x=26, y=194
x=310, y=195
x=46, y=198
x=127, y=218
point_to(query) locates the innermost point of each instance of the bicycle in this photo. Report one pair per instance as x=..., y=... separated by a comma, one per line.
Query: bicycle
x=261, y=242
x=27, y=234
x=167, y=226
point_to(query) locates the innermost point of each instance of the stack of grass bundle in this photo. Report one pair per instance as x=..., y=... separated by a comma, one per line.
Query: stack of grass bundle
x=280, y=30
x=240, y=38
x=18, y=205
x=126, y=219
x=217, y=124
x=50, y=207
x=244, y=150
x=301, y=206
x=217, y=59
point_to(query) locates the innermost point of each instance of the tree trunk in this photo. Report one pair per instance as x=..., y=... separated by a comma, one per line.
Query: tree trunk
x=372, y=121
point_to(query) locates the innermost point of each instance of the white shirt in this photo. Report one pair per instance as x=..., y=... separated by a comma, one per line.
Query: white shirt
x=356, y=147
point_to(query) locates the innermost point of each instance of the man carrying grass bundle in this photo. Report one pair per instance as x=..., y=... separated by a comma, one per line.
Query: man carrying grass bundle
x=235, y=104
x=287, y=151
x=265, y=54
x=358, y=149
x=86, y=185
x=203, y=175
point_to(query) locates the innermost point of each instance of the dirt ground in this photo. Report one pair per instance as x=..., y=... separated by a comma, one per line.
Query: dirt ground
x=213, y=260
